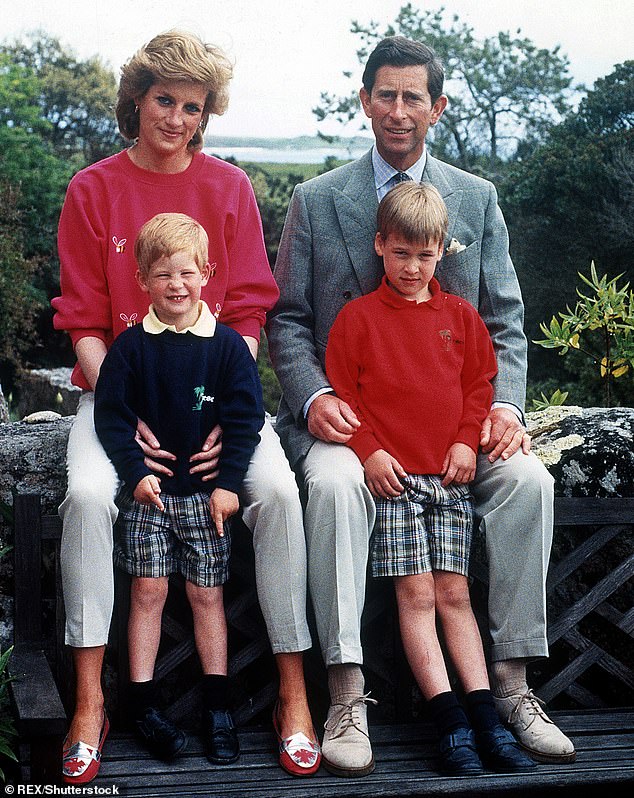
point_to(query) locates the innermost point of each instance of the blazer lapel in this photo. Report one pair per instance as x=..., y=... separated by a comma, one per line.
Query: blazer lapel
x=436, y=174
x=356, y=206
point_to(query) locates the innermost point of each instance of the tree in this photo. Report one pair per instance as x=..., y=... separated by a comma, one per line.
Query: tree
x=76, y=97
x=571, y=202
x=27, y=162
x=19, y=300
x=501, y=89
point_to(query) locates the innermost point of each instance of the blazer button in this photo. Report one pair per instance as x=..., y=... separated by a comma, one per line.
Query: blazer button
x=347, y=295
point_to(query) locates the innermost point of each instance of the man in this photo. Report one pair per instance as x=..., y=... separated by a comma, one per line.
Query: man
x=326, y=258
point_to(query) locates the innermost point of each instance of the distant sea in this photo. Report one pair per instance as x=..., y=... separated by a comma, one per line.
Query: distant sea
x=286, y=154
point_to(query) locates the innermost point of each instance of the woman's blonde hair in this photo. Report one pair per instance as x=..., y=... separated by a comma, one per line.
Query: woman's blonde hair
x=415, y=211
x=175, y=55
x=166, y=234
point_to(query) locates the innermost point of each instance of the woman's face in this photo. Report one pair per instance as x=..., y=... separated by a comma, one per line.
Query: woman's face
x=169, y=114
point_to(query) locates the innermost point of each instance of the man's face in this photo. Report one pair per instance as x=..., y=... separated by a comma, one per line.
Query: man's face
x=401, y=111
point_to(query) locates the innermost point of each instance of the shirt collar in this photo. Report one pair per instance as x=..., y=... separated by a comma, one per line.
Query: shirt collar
x=390, y=297
x=383, y=172
x=203, y=327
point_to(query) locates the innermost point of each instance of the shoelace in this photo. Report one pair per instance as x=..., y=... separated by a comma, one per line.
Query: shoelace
x=534, y=708
x=347, y=716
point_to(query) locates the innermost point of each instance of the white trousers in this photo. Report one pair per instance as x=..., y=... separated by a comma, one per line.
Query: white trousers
x=271, y=509
x=514, y=502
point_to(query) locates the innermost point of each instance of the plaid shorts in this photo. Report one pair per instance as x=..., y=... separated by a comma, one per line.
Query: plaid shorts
x=426, y=528
x=183, y=539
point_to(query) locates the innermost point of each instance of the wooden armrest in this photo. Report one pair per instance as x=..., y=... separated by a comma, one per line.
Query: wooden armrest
x=40, y=712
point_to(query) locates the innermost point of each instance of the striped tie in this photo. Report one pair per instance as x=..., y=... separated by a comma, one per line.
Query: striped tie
x=401, y=177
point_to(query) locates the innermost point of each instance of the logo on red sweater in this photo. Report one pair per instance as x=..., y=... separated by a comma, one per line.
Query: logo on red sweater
x=130, y=321
x=119, y=246
x=446, y=339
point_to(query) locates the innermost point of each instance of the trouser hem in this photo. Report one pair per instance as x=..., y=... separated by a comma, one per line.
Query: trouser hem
x=519, y=649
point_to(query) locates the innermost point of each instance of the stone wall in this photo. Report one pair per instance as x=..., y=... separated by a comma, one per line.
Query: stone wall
x=589, y=451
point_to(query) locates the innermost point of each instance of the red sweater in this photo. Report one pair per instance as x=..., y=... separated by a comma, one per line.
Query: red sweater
x=417, y=375
x=106, y=205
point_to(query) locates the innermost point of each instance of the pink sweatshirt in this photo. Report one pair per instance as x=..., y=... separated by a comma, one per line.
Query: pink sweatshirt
x=106, y=205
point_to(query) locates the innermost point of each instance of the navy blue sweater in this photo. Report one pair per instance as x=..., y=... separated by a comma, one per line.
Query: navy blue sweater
x=181, y=385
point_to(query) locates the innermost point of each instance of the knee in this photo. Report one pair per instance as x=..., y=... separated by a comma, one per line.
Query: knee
x=89, y=497
x=205, y=599
x=149, y=593
x=415, y=594
x=452, y=595
x=346, y=478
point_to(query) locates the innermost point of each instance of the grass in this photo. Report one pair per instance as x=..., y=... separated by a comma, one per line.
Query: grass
x=306, y=170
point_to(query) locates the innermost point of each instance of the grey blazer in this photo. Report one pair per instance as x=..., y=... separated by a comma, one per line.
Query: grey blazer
x=326, y=257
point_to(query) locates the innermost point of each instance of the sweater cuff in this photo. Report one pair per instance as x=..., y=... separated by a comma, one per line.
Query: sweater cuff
x=470, y=436
x=363, y=444
x=250, y=327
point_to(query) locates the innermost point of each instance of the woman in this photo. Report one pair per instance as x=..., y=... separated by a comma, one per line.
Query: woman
x=167, y=92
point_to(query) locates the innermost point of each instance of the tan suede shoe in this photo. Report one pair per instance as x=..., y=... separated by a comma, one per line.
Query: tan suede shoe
x=537, y=734
x=346, y=749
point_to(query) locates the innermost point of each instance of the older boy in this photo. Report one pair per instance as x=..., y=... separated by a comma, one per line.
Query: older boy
x=183, y=373
x=415, y=365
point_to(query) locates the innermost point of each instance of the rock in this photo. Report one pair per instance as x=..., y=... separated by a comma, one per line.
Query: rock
x=47, y=389
x=589, y=451
x=41, y=416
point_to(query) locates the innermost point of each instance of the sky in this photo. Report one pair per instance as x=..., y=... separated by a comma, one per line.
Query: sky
x=286, y=52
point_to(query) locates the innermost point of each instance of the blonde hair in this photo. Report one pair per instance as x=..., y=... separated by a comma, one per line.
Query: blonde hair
x=175, y=55
x=415, y=211
x=166, y=234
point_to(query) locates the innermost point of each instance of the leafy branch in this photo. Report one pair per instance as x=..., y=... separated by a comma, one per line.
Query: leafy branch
x=601, y=326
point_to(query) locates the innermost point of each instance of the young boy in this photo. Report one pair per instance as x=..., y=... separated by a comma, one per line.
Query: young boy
x=182, y=373
x=415, y=365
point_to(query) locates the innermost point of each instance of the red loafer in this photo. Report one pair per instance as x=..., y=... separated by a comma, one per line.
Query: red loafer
x=299, y=756
x=80, y=762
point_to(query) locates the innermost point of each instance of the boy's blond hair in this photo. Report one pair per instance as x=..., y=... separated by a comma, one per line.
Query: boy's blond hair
x=168, y=233
x=415, y=211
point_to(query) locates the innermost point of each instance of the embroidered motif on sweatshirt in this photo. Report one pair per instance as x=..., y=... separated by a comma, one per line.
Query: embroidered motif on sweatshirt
x=200, y=397
x=119, y=246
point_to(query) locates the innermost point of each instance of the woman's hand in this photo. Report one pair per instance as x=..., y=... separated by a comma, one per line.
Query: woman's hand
x=223, y=504
x=206, y=461
x=148, y=491
x=152, y=449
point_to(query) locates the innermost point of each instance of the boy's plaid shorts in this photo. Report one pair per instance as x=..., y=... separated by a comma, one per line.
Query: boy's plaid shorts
x=427, y=528
x=183, y=539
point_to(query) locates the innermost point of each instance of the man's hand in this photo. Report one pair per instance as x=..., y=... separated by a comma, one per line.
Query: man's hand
x=502, y=435
x=331, y=419
x=383, y=474
x=148, y=491
x=223, y=504
x=148, y=442
x=459, y=465
x=206, y=461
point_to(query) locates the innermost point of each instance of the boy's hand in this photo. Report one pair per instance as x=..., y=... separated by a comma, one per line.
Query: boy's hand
x=459, y=465
x=383, y=474
x=151, y=448
x=223, y=504
x=148, y=491
x=206, y=461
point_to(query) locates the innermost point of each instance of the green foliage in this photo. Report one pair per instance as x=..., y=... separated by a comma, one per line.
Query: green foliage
x=601, y=326
x=501, y=89
x=270, y=386
x=19, y=300
x=7, y=729
x=75, y=97
x=556, y=398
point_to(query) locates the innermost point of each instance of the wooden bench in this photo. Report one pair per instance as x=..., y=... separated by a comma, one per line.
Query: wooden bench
x=597, y=712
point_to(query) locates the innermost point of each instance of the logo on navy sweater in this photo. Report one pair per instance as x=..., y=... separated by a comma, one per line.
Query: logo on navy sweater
x=200, y=397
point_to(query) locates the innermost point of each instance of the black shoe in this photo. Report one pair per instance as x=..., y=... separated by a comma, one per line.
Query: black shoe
x=221, y=740
x=458, y=754
x=501, y=752
x=160, y=735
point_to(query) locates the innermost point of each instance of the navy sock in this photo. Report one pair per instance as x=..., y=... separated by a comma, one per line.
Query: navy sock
x=141, y=696
x=482, y=712
x=216, y=691
x=447, y=713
